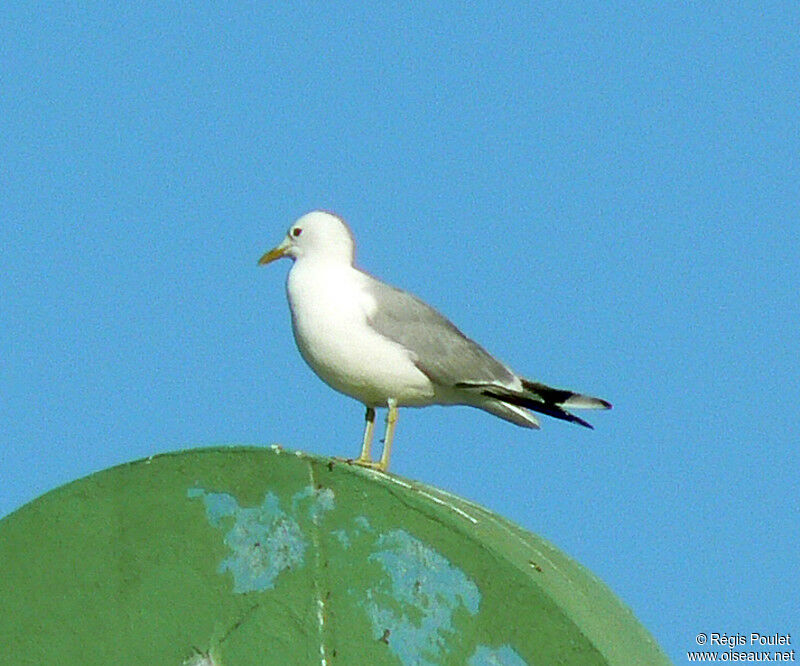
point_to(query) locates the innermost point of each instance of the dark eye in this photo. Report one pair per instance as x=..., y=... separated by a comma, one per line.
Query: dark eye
x=296, y=231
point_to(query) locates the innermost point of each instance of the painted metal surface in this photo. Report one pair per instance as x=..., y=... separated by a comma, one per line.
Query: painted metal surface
x=245, y=556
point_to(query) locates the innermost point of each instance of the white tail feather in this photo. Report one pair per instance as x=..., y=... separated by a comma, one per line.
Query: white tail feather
x=578, y=401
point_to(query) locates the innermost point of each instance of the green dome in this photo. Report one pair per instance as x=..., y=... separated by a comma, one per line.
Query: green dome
x=251, y=556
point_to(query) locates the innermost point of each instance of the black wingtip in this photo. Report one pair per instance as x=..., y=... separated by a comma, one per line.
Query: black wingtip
x=546, y=408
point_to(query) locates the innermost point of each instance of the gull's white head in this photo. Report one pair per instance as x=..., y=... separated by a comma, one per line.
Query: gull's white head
x=318, y=235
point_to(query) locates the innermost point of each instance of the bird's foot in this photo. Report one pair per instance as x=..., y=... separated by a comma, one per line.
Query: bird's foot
x=366, y=462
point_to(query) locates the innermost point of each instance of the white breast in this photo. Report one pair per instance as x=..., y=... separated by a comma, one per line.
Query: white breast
x=329, y=318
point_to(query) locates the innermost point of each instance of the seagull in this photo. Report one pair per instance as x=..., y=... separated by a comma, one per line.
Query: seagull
x=386, y=348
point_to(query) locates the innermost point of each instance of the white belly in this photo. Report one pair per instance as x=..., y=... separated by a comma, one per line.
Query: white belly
x=329, y=320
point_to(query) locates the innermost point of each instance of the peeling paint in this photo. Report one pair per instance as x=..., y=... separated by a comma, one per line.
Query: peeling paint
x=418, y=600
x=421, y=605
x=265, y=540
x=322, y=500
x=362, y=523
x=502, y=656
x=342, y=536
x=201, y=659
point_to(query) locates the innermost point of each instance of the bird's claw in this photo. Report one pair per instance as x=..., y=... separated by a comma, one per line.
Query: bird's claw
x=369, y=464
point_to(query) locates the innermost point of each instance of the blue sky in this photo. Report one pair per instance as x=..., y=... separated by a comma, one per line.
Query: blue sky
x=605, y=195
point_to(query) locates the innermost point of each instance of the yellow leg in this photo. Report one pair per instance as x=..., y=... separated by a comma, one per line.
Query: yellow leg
x=366, y=448
x=391, y=421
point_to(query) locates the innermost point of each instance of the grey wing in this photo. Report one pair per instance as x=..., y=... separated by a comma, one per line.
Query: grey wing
x=441, y=351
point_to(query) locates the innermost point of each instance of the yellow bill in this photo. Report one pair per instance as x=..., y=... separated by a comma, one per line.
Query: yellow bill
x=275, y=253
